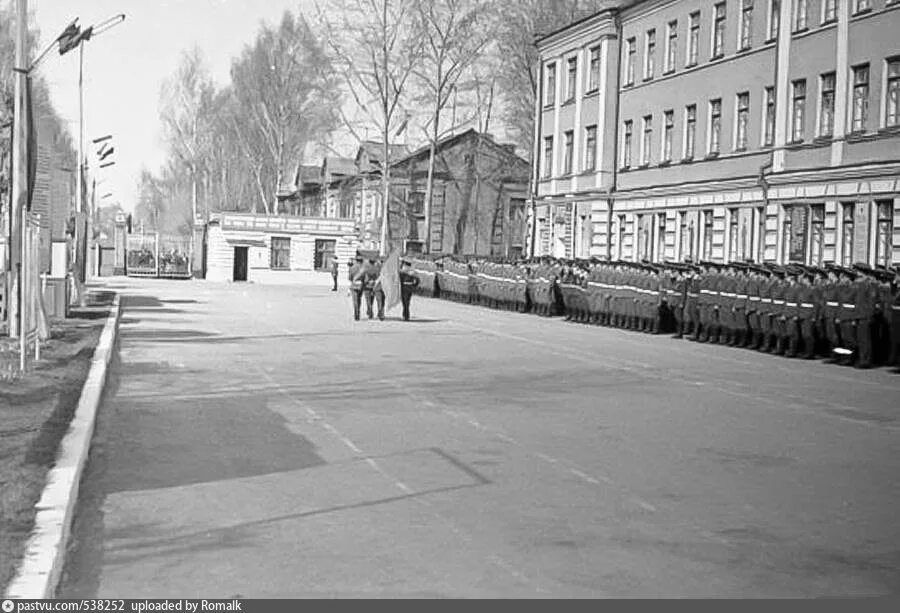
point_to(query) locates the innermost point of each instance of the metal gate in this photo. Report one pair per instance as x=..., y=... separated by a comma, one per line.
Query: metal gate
x=174, y=257
x=142, y=255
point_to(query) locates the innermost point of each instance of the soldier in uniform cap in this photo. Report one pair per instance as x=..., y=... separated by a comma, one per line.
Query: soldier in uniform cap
x=355, y=274
x=408, y=284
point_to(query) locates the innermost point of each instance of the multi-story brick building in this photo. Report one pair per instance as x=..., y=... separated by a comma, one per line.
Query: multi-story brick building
x=763, y=129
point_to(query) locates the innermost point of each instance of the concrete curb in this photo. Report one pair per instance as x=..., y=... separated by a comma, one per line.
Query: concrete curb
x=45, y=553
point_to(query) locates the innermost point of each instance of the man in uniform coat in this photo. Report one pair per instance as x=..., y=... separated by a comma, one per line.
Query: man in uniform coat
x=408, y=284
x=355, y=273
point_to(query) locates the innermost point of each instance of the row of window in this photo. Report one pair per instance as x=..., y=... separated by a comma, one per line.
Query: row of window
x=747, y=231
x=859, y=117
x=717, y=34
x=280, y=253
x=592, y=83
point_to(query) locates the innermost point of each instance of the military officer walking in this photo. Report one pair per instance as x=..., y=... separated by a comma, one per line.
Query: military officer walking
x=408, y=284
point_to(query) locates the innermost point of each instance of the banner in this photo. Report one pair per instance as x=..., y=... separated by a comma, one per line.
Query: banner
x=390, y=279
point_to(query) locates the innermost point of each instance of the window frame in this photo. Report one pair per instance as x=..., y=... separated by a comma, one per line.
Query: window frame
x=827, y=88
x=714, y=137
x=774, y=21
x=801, y=16
x=798, y=103
x=548, y=157
x=550, y=84
x=693, y=51
x=630, y=59
x=668, y=139
x=627, y=143
x=571, y=79
x=646, y=140
x=568, y=152
x=745, y=27
x=650, y=54
x=273, y=252
x=690, y=132
x=848, y=232
x=590, y=152
x=858, y=122
x=892, y=120
x=671, y=47
x=829, y=11
x=594, y=60
x=884, y=229
x=742, y=116
x=720, y=21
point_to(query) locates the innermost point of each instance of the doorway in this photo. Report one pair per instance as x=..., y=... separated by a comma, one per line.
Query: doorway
x=239, y=272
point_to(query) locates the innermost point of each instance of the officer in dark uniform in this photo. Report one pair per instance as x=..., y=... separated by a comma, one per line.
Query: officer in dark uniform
x=334, y=273
x=372, y=289
x=408, y=284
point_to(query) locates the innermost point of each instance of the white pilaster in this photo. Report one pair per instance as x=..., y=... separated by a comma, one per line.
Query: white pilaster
x=841, y=86
x=782, y=86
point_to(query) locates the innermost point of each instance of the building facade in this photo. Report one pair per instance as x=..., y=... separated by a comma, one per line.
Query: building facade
x=275, y=249
x=754, y=129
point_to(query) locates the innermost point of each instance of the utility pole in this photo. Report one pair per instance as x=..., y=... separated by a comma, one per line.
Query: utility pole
x=20, y=173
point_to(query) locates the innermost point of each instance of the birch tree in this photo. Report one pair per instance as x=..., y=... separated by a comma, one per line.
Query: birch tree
x=455, y=33
x=287, y=97
x=376, y=47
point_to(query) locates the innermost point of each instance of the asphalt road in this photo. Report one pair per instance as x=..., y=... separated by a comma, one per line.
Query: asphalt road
x=257, y=442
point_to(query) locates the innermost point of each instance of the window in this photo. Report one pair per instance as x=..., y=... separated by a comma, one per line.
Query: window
x=280, y=254
x=346, y=206
x=860, y=97
x=686, y=235
x=620, y=237
x=650, y=54
x=743, y=120
x=826, y=109
x=769, y=129
x=594, y=72
x=323, y=254
x=571, y=78
x=667, y=136
x=861, y=5
x=640, y=238
x=647, y=140
x=733, y=235
x=568, y=152
x=774, y=19
x=829, y=10
x=690, y=130
x=626, y=144
x=718, y=42
x=694, y=39
x=761, y=234
x=817, y=234
x=707, y=235
x=631, y=51
x=548, y=157
x=590, y=148
x=847, y=231
x=786, y=230
x=798, y=109
x=801, y=14
x=715, y=126
x=550, y=93
x=746, y=24
x=883, y=232
x=660, y=237
x=671, y=45
x=892, y=93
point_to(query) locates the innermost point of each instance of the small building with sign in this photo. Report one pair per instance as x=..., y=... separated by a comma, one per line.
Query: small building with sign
x=275, y=249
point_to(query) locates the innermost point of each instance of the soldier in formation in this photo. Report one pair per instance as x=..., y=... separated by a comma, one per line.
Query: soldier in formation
x=851, y=315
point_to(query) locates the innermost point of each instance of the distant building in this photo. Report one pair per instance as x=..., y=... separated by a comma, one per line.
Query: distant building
x=742, y=129
x=275, y=249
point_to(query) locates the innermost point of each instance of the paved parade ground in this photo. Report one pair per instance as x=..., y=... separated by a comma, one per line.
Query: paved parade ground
x=255, y=441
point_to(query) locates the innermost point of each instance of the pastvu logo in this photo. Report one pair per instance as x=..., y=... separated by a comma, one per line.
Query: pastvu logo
x=8, y=606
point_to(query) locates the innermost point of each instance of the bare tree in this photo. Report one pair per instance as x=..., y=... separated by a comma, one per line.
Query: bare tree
x=376, y=48
x=287, y=95
x=520, y=23
x=184, y=109
x=455, y=33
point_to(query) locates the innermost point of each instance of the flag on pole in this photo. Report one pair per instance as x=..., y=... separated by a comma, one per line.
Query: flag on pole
x=390, y=279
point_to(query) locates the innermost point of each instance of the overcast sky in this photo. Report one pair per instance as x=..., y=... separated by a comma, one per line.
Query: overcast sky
x=125, y=66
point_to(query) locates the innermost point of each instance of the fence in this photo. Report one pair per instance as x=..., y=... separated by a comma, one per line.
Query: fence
x=142, y=255
x=155, y=255
x=33, y=325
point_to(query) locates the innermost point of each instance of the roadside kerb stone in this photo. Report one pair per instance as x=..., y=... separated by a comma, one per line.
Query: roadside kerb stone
x=44, y=558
